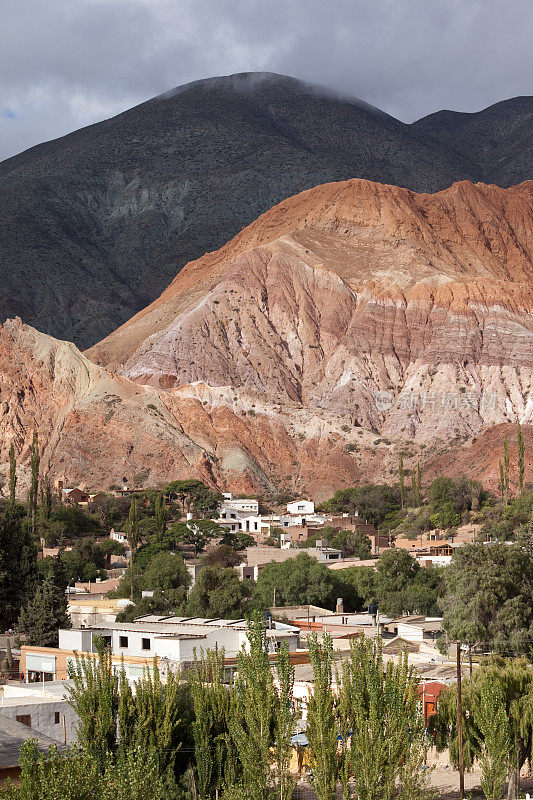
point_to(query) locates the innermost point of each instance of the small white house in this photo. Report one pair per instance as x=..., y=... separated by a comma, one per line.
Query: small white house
x=301, y=507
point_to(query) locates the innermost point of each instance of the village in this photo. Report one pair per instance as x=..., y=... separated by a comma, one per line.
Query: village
x=34, y=700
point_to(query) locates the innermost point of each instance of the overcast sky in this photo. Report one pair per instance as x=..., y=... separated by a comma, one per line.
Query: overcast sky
x=67, y=63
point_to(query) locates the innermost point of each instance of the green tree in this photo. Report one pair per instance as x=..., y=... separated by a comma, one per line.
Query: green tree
x=18, y=563
x=212, y=700
x=35, y=461
x=134, y=537
x=521, y=455
x=495, y=741
x=379, y=504
x=284, y=719
x=218, y=592
x=73, y=775
x=487, y=597
x=322, y=725
x=252, y=717
x=150, y=716
x=237, y=540
x=222, y=555
x=165, y=571
x=43, y=615
x=46, y=500
x=418, y=485
x=296, y=581
x=94, y=696
x=161, y=516
x=12, y=474
x=401, y=477
x=512, y=680
x=195, y=532
x=506, y=465
x=386, y=743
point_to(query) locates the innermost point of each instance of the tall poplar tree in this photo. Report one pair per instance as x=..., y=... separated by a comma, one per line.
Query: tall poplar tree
x=12, y=474
x=495, y=741
x=133, y=538
x=252, y=716
x=386, y=741
x=160, y=516
x=212, y=701
x=506, y=469
x=35, y=460
x=322, y=727
x=284, y=723
x=501, y=484
x=521, y=454
x=401, y=475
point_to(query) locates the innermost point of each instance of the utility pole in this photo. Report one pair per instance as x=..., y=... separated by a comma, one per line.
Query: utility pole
x=460, y=726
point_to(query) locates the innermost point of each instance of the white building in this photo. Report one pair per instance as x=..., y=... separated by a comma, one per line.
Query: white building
x=304, y=507
x=174, y=640
x=230, y=508
x=44, y=711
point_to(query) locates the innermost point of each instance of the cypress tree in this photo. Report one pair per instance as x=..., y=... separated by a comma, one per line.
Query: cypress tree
x=46, y=499
x=418, y=485
x=521, y=454
x=44, y=614
x=12, y=474
x=18, y=564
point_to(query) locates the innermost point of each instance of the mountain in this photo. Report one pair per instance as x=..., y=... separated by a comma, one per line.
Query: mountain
x=499, y=139
x=349, y=323
x=95, y=224
x=368, y=306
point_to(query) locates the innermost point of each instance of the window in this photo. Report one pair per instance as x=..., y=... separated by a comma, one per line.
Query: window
x=25, y=719
x=107, y=641
x=123, y=641
x=56, y=717
x=145, y=644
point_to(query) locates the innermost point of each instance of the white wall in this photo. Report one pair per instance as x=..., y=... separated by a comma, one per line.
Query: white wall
x=80, y=640
x=43, y=718
x=301, y=507
x=410, y=632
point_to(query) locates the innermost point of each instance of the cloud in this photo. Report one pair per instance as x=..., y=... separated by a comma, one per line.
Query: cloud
x=67, y=64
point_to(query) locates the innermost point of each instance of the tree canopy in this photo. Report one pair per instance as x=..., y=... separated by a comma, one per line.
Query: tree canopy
x=487, y=599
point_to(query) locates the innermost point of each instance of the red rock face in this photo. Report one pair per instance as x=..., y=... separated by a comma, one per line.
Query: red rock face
x=348, y=323
x=409, y=314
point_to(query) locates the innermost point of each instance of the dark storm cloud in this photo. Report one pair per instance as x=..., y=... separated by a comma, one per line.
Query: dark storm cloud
x=67, y=63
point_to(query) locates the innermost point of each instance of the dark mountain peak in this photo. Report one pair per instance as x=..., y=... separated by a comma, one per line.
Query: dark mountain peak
x=261, y=86
x=94, y=225
x=497, y=139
